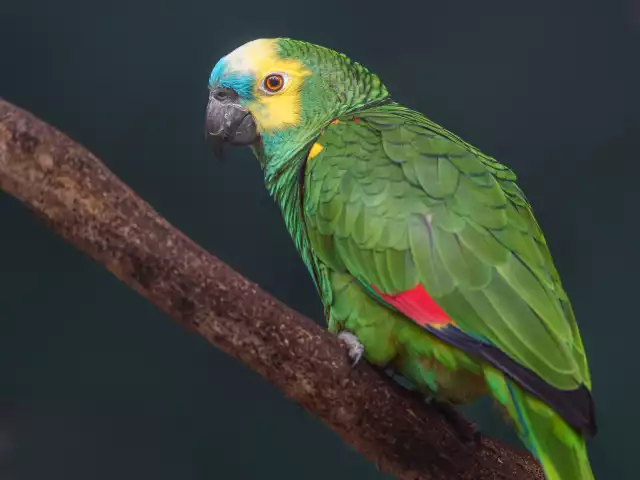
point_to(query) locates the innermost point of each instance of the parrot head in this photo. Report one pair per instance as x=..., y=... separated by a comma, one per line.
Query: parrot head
x=275, y=95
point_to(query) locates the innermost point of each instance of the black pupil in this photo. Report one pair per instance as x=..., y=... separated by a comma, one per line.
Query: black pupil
x=273, y=82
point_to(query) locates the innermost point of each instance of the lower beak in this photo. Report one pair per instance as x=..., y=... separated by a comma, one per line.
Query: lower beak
x=227, y=121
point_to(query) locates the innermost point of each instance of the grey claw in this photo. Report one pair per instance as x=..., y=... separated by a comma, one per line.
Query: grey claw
x=356, y=349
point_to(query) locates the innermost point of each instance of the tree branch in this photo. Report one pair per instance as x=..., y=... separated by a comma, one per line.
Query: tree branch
x=84, y=202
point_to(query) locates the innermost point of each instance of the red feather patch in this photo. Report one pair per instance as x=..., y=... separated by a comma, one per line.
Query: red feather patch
x=418, y=305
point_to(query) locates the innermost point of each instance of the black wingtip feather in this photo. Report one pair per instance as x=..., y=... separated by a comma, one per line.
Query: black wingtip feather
x=576, y=407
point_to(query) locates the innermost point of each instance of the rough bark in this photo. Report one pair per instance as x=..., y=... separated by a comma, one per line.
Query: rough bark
x=80, y=199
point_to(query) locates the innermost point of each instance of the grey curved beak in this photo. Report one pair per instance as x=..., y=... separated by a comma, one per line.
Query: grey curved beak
x=227, y=121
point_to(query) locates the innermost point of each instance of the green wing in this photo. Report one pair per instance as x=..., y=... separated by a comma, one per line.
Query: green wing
x=398, y=201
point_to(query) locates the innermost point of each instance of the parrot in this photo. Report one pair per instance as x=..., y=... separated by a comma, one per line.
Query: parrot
x=424, y=251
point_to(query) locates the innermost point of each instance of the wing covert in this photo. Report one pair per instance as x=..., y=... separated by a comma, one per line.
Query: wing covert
x=399, y=202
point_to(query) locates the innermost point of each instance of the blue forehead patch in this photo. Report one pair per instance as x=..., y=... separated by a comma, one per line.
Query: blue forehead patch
x=242, y=83
x=217, y=71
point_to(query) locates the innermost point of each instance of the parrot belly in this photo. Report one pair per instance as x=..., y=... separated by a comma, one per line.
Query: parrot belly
x=392, y=340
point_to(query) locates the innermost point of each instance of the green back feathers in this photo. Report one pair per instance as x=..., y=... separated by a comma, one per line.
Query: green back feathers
x=398, y=201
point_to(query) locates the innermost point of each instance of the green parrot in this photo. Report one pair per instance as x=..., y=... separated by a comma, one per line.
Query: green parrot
x=425, y=252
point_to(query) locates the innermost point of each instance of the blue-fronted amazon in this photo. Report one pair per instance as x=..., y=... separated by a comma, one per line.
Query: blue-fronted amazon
x=424, y=250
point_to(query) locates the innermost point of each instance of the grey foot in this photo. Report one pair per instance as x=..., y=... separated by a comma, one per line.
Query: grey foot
x=356, y=349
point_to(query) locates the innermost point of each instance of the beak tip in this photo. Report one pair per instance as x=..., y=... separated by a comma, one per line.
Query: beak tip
x=217, y=145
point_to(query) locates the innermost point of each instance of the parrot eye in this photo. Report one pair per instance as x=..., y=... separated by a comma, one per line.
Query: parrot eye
x=273, y=83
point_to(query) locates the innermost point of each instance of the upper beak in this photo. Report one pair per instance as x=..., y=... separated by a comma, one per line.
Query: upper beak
x=227, y=121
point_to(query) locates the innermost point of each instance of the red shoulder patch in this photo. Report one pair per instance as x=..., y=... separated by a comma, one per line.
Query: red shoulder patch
x=418, y=305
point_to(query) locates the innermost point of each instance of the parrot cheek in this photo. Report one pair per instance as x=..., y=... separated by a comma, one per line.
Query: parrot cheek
x=227, y=121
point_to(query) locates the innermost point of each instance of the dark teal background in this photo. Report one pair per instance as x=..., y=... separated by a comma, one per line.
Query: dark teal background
x=96, y=384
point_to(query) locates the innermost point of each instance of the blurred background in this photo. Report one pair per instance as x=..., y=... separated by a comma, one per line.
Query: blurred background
x=95, y=383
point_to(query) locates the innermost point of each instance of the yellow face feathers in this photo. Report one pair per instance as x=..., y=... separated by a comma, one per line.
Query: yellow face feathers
x=275, y=105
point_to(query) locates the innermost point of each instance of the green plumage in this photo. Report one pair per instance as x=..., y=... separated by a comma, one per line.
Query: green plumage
x=392, y=201
x=410, y=203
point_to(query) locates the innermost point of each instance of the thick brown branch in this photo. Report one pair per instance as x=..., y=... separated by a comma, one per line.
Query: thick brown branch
x=84, y=202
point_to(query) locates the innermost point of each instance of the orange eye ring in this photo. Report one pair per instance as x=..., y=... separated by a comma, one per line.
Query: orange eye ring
x=273, y=83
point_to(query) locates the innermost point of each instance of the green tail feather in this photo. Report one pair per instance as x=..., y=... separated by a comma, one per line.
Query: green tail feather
x=561, y=450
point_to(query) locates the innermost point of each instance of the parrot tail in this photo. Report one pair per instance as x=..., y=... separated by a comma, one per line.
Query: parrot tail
x=559, y=448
